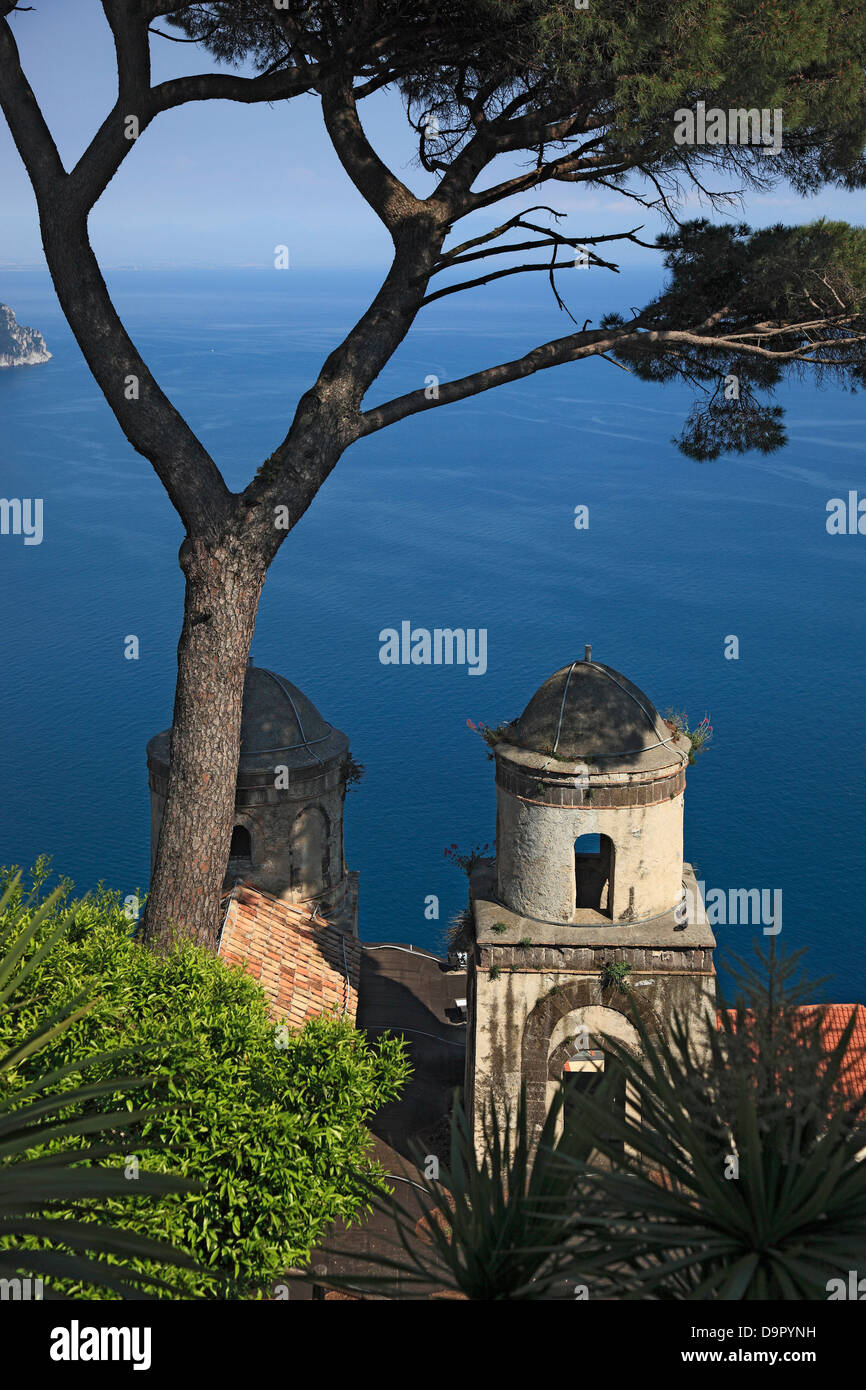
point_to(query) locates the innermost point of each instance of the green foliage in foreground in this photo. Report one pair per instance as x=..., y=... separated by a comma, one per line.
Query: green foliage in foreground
x=51, y=1142
x=269, y=1124
x=482, y=1239
x=741, y=1181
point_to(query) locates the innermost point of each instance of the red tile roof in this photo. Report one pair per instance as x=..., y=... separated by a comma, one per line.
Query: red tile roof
x=301, y=965
x=834, y=1020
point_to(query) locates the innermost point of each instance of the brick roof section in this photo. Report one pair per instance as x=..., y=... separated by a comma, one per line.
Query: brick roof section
x=301, y=965
x=834, y=1020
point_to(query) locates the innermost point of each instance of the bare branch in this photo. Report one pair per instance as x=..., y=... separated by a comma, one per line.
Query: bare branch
x=594, y=343
x=111, y=143
x=552, y=354
x=551, y=238
x=174, y=39
x=516, y=270
x=499, y=231
x=387, y=195
x=33, y=139
x=566, y=169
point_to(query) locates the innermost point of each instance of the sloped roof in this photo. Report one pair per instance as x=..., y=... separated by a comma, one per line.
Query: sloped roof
x=834, y=1020
x=306, y=968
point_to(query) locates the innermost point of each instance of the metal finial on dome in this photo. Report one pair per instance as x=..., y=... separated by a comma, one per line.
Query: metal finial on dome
x=587, y=652
x=249, y=661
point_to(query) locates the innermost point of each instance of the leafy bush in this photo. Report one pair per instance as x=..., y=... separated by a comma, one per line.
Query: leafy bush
x=36, y=1240
x=269, y=1123
x=492, y=734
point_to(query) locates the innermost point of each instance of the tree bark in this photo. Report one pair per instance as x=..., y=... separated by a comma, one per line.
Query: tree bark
x=223, y=584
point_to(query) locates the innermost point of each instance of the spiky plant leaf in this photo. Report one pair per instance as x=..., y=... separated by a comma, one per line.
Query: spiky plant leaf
x=34, y=1178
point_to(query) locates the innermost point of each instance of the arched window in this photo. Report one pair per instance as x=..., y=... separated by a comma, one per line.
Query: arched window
x=311, y=853
x=593, y=874
x=242, y=846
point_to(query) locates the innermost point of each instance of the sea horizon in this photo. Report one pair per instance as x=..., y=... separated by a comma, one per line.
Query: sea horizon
x=463, y=519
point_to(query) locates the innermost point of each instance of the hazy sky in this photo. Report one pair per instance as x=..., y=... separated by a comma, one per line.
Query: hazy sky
x=221, y=184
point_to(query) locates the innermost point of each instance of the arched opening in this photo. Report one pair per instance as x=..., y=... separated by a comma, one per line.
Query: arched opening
x=593, y=874
x=582, y=1073
x=311, y=853
x=580, y=1056
x=242, y=845
x=240, y=863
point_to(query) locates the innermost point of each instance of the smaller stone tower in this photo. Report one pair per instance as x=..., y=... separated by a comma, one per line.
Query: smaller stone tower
x=288, y=832
x=589, y=873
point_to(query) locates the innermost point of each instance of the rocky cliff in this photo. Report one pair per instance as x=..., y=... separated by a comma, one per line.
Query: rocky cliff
x=19, y=346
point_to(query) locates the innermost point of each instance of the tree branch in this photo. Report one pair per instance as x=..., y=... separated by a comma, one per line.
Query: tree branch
x=552, y=354
x=515, y=270
x=551, y=238
x=576, y=346
x=111, y=144
x=565, y=169
x=147, y=417
x=33, y=139
x=132, y=51
x=387, y=195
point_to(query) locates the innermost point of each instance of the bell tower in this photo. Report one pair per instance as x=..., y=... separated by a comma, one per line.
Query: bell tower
x=580, y=918
x=287, y=838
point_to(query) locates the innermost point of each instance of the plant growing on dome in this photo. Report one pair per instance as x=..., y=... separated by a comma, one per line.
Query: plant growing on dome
x=557, y=757
x=698, y=737
x=354, y=771
x=491, y=735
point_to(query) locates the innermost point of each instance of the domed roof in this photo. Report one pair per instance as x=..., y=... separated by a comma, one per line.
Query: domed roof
x=277, y=716
x=589, y=710
x=279, y=726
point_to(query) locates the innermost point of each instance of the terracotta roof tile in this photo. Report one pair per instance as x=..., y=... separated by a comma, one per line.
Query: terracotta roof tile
x=834, y=1019
x=301, y=964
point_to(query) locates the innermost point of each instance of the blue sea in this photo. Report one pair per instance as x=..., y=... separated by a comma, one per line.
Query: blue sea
x=461, y=518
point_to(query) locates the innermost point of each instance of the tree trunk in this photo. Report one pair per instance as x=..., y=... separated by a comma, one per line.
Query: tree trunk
x=223, y=584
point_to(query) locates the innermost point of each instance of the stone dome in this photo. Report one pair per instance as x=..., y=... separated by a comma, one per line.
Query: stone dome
x=278, y=718
x=589, y=710
x=279, y=725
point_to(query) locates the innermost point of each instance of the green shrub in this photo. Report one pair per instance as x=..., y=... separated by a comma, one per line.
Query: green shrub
x=614, y=975
x=37, y=1241
x=271, y=1124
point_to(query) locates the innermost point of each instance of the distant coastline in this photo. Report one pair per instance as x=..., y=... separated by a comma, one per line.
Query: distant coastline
x=20, y=346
